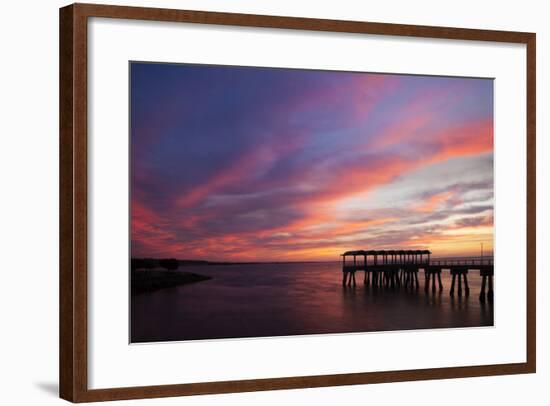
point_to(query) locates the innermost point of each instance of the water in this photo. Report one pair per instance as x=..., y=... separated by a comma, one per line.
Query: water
x=259, y=300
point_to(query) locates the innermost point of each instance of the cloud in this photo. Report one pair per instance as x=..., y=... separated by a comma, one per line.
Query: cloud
x=256, y=164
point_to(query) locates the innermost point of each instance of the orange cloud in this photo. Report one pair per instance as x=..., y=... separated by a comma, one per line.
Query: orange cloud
x=431, y=203
x=359, y=178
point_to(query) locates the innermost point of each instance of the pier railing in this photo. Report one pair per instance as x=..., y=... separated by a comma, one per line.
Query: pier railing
x=464, y=261
x=360, y=263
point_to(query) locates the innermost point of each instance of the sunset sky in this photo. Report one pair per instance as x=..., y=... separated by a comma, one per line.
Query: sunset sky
x=261, y=164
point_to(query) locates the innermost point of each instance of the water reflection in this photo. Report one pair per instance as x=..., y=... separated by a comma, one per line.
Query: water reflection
x=290, y=299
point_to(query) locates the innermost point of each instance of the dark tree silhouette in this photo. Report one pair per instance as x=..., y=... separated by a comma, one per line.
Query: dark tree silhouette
x=142, y=263
x=170, y=264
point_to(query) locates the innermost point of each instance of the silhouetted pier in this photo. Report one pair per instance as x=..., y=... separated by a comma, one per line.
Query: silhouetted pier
x=399, y=268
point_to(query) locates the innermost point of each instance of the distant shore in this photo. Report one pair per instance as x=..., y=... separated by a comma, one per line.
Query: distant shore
x=150, y=263
x=151, y=280
x=194, y=262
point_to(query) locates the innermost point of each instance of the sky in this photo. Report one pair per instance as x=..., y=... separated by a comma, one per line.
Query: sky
x=263, y=164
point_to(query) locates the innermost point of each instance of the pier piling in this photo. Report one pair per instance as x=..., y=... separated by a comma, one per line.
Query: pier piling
x=452, y=291
x=482, y=292
x=466, y=287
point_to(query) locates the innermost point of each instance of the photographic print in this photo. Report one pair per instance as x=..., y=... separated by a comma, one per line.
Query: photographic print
x=279, y=202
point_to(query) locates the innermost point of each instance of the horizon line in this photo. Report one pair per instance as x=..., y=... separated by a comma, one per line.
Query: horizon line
x=292, y=262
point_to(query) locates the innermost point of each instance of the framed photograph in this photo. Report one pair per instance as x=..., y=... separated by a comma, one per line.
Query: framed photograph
x=254, y=202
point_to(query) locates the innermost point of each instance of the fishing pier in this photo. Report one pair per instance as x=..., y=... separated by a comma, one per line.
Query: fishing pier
x=399, y=268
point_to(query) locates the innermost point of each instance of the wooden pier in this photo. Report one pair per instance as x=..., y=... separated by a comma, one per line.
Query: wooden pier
x=399, y=268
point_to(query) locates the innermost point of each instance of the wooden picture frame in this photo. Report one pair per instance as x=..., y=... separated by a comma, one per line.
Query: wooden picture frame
x=74, y=201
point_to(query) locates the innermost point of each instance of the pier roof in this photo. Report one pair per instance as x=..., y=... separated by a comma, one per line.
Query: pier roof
x=388, y=252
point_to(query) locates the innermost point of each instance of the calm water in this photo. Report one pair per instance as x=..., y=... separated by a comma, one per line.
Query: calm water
x=290, y=299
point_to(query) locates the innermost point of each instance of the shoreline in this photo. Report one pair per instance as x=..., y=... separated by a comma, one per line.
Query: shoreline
x=150, y=280
x=200, y=262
